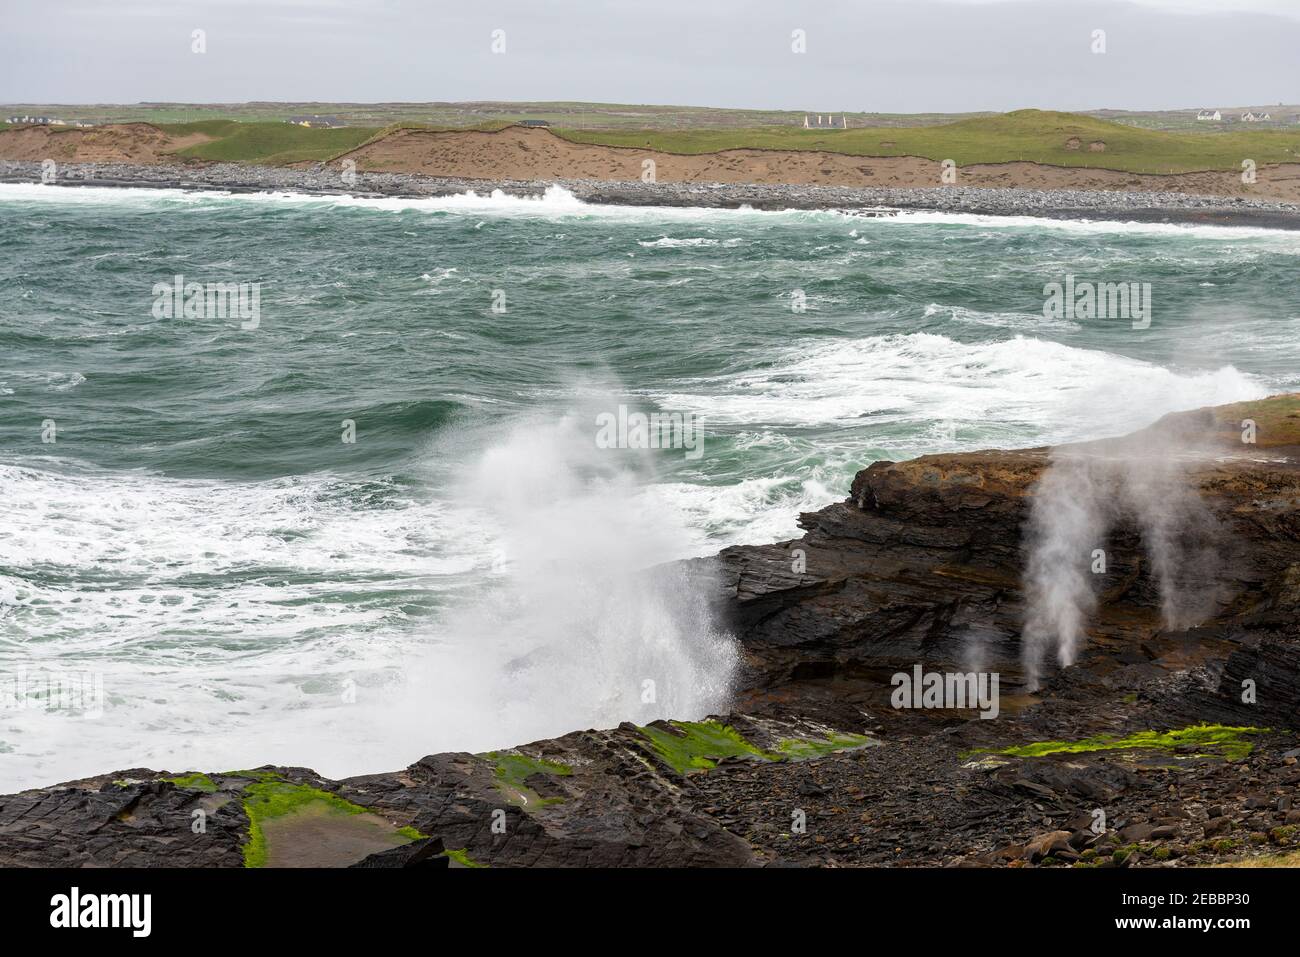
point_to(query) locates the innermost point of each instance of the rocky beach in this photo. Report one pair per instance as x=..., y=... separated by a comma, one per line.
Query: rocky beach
x=1165, y=206
x=1162, y=744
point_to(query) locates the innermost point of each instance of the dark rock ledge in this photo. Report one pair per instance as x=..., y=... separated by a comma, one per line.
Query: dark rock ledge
x=922, y=564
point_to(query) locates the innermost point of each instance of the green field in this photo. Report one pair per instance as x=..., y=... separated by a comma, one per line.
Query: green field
x=270, y=144
x=1060, y=139
x=577, y=115
x=1031, y=135
x=609, y=116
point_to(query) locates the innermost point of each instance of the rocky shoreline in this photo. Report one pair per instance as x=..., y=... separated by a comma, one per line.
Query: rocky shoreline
x=1161, y=207
x=1144, y=752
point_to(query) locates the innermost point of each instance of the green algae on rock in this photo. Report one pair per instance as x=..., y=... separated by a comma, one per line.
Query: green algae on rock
x=269, y=803
x=513, y=769
x=194, y=782
x=461, y=857
x=1227, y=742
x=799, y=749
x=699, y=745
x=256, y=774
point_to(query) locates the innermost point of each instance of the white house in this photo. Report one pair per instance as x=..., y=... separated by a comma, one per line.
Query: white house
x=1256, y=117
x=1209, y=116
x=827, y=122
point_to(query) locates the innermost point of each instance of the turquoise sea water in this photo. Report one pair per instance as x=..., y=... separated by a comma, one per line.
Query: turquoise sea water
x=248, y=587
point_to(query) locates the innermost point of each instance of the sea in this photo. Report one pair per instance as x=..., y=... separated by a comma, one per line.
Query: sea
x=364, y=502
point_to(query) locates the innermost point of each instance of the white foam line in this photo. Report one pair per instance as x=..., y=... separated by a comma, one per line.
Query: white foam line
x=558, y=201
x=907, y=217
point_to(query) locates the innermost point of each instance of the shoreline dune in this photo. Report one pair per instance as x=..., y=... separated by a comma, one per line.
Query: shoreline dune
x=538, y=155
x=527, y=154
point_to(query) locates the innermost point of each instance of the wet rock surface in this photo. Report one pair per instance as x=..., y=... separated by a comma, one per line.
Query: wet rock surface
x=1158, y=746
x=1139, y=206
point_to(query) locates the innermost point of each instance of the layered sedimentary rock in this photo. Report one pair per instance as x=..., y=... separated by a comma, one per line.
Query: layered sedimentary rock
x=1170, y=737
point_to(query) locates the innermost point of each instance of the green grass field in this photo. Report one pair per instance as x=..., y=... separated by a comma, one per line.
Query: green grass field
x=271, y=144
x=608, y=116
x=1030, y=135
x=574, y=114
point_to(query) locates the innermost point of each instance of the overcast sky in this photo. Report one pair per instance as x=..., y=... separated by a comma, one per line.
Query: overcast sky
x=872, y=55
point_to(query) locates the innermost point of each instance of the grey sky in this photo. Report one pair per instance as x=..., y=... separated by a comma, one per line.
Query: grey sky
x=886, y=55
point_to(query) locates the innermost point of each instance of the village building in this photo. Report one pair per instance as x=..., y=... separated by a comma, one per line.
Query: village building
x=36, y=121
x=819, y=121
x=315, y=122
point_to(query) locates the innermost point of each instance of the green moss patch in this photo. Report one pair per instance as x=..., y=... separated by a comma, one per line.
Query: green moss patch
x=701, y=744
x=459, y=856
x=1212, y=739
x=194, y=782
x=328, y=823
x=802, y=749
x=253, y=775
x=513, y=769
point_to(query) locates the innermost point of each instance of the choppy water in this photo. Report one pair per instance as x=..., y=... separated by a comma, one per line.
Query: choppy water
x=248, y=587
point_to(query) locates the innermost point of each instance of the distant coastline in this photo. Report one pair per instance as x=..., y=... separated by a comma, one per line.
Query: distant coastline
x=1100, y=205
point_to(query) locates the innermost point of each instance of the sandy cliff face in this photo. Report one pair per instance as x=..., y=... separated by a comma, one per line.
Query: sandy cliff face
x=119, y=143
x=524, y=154
x=1182, y=732
x=516, y=153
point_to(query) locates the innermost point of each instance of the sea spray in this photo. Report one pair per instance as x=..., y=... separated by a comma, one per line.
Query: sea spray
x=1181, y=537
x=573, y=626
x=1070, y=513
x=1144, y=481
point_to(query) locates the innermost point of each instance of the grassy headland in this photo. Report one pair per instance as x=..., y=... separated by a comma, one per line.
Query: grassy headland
x=270, y=144
x=1059, y=139
x=1067, y=140
x=1035, y=136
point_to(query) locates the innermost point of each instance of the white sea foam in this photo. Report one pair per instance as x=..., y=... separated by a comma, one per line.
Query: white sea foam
x=142, y=524
x=558, y=202
x=204, y=606
x=909, y=395
x=911, y=217
x=668, y=242
x=1044, y=389
x=229, y=622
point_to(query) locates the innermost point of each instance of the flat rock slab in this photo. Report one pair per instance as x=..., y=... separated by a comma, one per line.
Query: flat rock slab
x=317, y=835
